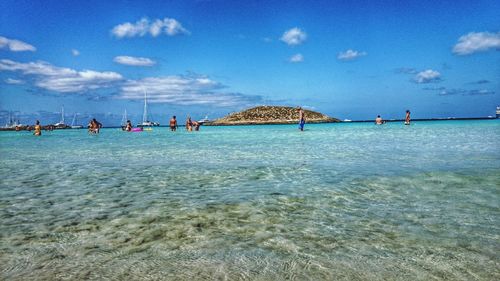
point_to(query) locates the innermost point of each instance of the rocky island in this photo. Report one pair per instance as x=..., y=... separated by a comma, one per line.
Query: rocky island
x=262, y=115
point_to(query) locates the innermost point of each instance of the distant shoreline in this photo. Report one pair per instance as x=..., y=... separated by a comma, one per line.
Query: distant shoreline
x=290, y=123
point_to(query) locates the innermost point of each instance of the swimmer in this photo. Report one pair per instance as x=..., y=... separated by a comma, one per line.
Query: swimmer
x=378, y=120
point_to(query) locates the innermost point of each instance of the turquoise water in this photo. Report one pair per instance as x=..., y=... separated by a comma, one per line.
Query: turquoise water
x=337, y=201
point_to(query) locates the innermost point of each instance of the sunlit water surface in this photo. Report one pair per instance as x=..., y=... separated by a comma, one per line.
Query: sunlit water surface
x=337, y=202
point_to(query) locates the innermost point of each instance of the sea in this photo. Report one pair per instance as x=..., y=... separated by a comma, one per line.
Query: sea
x=346, y=201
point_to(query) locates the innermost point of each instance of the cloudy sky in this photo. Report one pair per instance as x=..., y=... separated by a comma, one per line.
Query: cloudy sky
x=348, y=59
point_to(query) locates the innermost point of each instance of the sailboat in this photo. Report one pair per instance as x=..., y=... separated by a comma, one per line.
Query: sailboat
x=73, y=126
x=123, y=123
x=61, y=123
x=12, y=122
x=145, y=121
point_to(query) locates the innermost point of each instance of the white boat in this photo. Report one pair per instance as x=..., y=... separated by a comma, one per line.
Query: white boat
x=204, y=120
x=61, y=123
x=73, y=126
x=347, y=120
x=145, y=121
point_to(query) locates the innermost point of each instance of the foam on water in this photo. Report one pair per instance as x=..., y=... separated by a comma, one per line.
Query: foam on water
x=338, y=201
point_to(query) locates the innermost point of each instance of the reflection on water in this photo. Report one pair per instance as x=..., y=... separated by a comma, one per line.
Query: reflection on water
x=347, y=202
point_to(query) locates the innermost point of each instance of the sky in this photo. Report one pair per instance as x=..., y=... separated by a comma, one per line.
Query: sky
x=347, y=59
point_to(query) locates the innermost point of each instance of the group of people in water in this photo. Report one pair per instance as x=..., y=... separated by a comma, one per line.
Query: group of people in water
x=190, y=125
x=380, y=121
x=94, y=126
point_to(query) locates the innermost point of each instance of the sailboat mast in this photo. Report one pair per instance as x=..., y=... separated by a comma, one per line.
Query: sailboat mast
x=124, y=118
x=145, y=114
x=62, y=115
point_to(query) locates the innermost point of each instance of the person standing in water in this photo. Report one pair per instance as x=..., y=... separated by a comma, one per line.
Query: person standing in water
x=302, y=118
x=173, y=124
x=407, y=118
x=38, y=129
x=196, y=125
x=94, y=126
x=189, y=124
x=378, y=120
x=128, y=128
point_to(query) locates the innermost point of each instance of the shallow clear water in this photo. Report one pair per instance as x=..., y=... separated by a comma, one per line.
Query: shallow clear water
x=338, y=202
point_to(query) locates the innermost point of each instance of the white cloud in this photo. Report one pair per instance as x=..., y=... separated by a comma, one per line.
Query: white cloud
x=294, y=36
x=82, y=81
x=350, y=55
x=144, y=26
x=175, y=89
x=60, y=79
x=15, y=45
x=134, y=61
x=427, y=76
x=184, y=90
x=35, y=68
x=75, y=52
x=296, y=58
x=477, y=42
x=13, y=81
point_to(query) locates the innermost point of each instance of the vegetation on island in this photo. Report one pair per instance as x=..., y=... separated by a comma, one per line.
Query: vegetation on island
x=271, y=115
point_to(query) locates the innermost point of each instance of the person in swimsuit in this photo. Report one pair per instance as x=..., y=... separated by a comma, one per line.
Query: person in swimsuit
x=38, y=129
x=196, y=125
x=407, y=118
x=189, y=124
x=128, y=128
x=302, y=118
x=173, y=124
x=378, y=120
x=94, y=126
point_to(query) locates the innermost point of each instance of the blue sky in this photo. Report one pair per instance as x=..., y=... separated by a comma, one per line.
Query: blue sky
x=348, y=59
